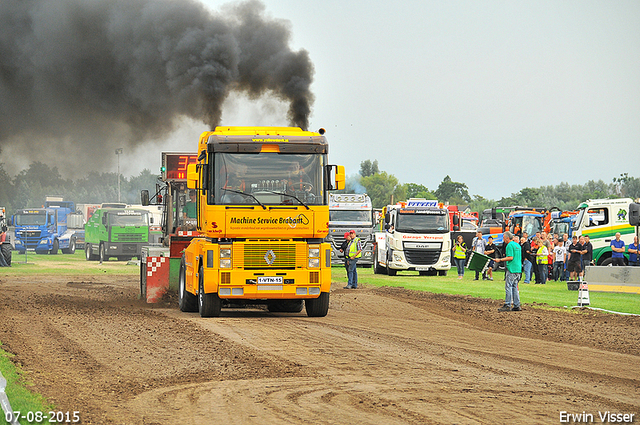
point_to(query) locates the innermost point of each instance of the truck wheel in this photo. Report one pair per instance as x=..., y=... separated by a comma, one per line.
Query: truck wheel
x=209, y=305
x=318, y=307
x=88, y=254
x=377, y=268
x=442, y=272
x=72, y=247
x=285, y=306
x=6, y=253
x=607, y=262
x=54, y=248
x=186, y=300
x=101, y=254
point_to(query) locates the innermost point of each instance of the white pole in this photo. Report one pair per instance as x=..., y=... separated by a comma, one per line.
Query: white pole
x=118, y=152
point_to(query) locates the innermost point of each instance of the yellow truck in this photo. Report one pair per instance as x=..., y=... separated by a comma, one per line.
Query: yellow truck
x=263, y=213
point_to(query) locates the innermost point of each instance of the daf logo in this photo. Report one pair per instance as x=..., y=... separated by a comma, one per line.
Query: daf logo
x=270, y=257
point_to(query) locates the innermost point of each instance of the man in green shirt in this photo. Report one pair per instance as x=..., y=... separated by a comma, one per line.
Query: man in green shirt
x=513, y=261
x=189, y=210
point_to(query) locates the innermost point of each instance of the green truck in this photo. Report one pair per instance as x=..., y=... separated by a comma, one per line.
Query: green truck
x=116, y=232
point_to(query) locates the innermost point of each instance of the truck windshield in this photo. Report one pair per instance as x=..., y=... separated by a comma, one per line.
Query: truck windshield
x=527, y=223
x=350, y=215
x=560, y=228
x=128, y=219
x=578, y=220
x=422, y=222
x=31, y=219
x=267, y=178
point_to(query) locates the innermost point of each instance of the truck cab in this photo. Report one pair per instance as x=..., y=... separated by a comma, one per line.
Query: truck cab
x=45, y=230
x=351, y=212
x=601, y=219
x=116, y=232
x=416, y=237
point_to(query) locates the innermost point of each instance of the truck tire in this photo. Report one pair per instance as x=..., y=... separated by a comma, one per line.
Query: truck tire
x=390, y=271
x=442, y=272
x=209, y=305
x=186, y=300
x=318, y=307
x=102, y=256
x=285, y=306
x=72, y=247
x=6, y=252
x=88, y=254
x=54, y=248
x=377, y=268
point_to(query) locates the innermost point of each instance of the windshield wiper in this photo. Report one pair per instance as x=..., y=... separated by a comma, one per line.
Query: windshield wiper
x=245, y=194
x=287, y=194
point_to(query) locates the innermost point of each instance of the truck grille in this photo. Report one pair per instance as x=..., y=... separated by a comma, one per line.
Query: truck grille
x=30, y=238
x=281, y=256
x=422, y=257
x=128, y=237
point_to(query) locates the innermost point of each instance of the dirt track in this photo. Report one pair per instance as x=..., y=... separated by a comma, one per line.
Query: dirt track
x=381, y=356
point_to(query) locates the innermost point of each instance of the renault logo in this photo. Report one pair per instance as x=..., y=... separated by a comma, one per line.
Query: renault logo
x=270, y=257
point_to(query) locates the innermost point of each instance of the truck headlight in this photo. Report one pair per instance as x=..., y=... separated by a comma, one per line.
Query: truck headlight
x=314, y=257
x=397, y=257
x=44, y=242
x=225, y=258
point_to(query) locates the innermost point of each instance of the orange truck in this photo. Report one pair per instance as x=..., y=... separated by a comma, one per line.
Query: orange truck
x=262, y=213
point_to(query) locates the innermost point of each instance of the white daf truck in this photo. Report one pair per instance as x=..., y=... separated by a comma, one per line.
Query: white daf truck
x=414, y=236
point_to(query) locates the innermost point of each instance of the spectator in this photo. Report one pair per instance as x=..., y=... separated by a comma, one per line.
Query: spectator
x=354, y=252
x=527, y=260
x=542, y=259
x=4, y=262
x=587, y=252
x=490, y=251
x=477, y=245
x=633, y=253
x=343, y=249
x=513, y=262
x=459, y=255
x=559, y=258
x=617, y=246
x=575, y=250
x=534, y=262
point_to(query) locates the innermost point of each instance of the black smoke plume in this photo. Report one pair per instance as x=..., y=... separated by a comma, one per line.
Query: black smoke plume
x=73, y=73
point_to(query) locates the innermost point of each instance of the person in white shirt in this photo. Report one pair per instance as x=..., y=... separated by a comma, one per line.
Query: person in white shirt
x=559, y=258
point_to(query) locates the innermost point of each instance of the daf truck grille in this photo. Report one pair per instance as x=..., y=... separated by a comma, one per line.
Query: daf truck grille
x=422, y=257
x=269, y=255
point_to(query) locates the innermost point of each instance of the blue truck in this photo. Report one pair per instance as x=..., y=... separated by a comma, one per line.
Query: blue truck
x=44, y=230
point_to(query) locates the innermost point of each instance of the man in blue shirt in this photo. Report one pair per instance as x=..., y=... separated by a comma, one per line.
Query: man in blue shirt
x=633, y=253
x=617, y=246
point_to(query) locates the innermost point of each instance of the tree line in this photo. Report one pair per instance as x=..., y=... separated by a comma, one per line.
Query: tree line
x=385, y=189
x=30, y=187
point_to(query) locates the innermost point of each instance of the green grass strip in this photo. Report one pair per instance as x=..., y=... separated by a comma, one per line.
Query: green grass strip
x=20, y=397
x=554, y=294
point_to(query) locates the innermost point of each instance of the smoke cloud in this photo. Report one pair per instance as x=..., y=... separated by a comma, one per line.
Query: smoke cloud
x=81, y=77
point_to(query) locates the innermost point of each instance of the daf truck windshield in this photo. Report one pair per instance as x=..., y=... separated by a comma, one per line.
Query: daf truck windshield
x=267, y=179
x=422, y=222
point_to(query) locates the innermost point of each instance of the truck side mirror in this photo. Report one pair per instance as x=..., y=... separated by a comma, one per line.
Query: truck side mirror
x=456, y=220
x=634, y=214
x=144, y=198
x=192, y=176
x=335, y=177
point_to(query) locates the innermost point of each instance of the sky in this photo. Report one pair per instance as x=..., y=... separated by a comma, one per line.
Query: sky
x=499, y=95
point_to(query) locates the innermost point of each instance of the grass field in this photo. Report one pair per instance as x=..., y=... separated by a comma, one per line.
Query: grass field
x=31, y=263
x=552, y=294
x=20, y=397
